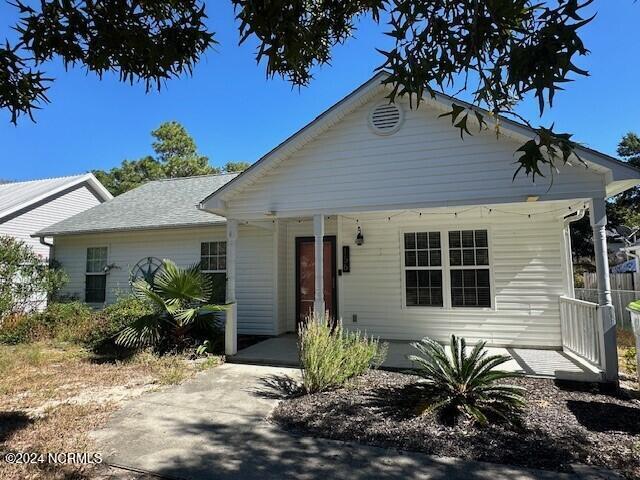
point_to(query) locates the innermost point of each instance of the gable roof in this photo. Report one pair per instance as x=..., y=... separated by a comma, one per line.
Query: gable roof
x=157, y=204
x=619, y=175
x=16, y=196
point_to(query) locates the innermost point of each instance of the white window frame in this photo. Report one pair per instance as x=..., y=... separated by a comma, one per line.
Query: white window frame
x=225, y=255
x=103, y=272
x=488, y=267
x=446, y=267
x=404, y=268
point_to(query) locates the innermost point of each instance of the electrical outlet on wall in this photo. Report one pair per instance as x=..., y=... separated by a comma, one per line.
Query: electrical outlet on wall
x=354, y=318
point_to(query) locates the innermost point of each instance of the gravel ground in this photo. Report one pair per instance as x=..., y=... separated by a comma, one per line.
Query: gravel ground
x=562, y=424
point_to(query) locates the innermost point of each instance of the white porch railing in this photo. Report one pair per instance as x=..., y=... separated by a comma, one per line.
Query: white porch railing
x=582, y=331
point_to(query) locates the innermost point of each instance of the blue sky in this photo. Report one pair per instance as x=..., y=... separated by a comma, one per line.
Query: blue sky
x=235, y=113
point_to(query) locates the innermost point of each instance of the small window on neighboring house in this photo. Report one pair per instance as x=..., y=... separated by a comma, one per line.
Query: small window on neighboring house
x=96, y=275
x=469, y=268
x=213, y=263
x=423, y=269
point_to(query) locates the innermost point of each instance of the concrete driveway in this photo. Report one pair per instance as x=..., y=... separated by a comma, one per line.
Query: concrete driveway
x=214, y=427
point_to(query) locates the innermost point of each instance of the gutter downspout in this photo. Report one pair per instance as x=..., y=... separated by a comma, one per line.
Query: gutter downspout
x=44, y=242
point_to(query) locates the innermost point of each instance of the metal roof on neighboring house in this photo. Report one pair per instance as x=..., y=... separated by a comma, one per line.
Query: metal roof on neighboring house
x=15, y=196
x=157, y=204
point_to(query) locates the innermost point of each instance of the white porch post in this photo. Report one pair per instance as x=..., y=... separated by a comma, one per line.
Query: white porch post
x=606, y=313
x=231, y=326
x=318, y=232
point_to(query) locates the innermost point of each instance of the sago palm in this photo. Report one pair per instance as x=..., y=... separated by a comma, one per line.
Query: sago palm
x=466, y=384
x=178, y=296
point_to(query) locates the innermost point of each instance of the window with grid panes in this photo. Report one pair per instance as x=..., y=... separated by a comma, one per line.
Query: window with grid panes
x=469, y=268
x=423, y=269
x=96, y=275
x=213, y=263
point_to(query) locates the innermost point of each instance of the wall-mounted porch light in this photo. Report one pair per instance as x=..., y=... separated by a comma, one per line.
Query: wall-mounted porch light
x=359, y=237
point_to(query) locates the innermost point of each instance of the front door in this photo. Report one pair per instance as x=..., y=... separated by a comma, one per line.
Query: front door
x=306, y=278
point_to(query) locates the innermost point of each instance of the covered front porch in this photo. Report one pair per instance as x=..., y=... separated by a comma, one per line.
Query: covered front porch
x=367, y=269
x=283, y=351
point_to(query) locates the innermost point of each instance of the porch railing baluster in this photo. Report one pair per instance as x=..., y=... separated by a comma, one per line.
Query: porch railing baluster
x=580, y=330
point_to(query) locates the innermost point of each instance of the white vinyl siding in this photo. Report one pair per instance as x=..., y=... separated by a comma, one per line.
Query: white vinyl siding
x=30, y=221
x=424, y=164
x=526, y=280
x=254, y=263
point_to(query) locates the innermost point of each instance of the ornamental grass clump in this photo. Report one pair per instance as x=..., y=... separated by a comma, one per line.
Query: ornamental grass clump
x=465, y=385
x=330, y=356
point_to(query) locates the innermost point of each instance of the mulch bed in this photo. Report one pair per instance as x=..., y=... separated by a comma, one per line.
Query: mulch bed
x=563, y=423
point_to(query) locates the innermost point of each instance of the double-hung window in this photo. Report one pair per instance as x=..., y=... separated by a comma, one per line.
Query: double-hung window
x=469, y=268
x=463, y=259
x=96, y=275
x=423, y=269
x=213, y=263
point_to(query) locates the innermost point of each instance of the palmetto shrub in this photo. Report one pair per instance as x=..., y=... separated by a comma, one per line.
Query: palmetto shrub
x=465, y=384
x=330, y=356
x=178, y=309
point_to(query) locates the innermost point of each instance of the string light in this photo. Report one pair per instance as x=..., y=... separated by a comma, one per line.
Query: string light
x=479, y=208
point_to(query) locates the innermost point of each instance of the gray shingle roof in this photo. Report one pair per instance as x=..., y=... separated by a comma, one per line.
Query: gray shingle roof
x=156, y=204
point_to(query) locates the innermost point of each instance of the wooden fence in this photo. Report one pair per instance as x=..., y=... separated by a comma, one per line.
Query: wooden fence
x=623, y=292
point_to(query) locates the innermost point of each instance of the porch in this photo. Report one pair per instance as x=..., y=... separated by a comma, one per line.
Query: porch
x=282, y=351
x=402, y=275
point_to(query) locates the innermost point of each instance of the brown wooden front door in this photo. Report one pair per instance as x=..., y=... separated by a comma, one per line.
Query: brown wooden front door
x=306, y=280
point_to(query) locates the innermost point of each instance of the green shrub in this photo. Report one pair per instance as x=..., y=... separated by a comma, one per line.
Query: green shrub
x=72, y=322
x=465, y=384
x=17, y=329
x=126, y=310
x=329, y=357
x=26, y=279
x=67, y=322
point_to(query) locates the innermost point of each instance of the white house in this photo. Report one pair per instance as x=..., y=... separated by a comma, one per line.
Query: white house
x=382, y=215
x=27, y=207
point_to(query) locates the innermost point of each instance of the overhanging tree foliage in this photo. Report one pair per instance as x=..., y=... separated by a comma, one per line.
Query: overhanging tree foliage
x=499, y=50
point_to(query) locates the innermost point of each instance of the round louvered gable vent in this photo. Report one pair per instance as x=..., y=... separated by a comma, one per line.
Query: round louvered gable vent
x=385, y=118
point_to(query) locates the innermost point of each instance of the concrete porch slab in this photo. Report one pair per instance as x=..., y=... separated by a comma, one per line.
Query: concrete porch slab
x=283, y=351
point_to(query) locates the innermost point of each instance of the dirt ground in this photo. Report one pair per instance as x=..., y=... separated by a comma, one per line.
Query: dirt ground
x=52, y=395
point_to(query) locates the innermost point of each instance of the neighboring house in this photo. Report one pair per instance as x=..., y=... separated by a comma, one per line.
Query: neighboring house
x=28, y=207
x=382, y=215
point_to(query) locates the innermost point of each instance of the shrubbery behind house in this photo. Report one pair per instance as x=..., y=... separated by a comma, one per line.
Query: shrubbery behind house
x=330, y=356
x=26, y=279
